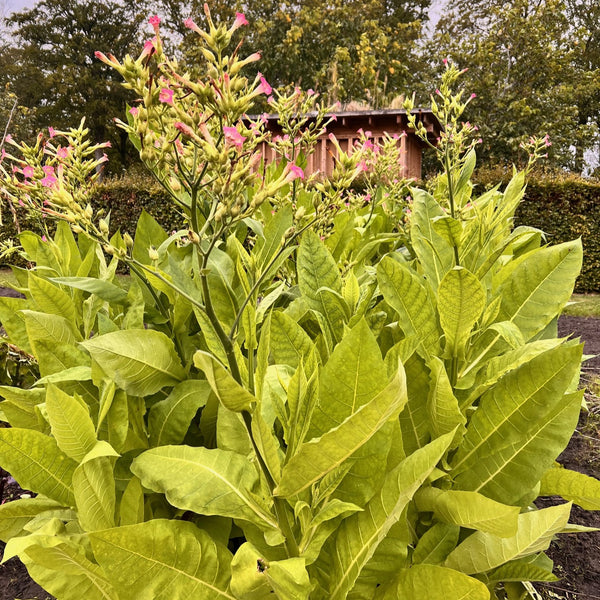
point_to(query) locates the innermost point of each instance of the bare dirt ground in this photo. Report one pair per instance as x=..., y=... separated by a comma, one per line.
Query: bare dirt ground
x=576, y=557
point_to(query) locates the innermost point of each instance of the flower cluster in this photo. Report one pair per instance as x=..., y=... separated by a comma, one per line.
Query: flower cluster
x=53, y=177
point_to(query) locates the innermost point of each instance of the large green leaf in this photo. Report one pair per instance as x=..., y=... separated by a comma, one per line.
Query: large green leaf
x=141, y=361
x=461, y=300
x=434, y=583
x=232, y=395
x=65, y=571
x=37, y=463
x=13, y=323
x=49, y=298
x=49, y=328
x=208, y=482
x=317, y=273
x=16, y=514
x=289, y=343
x=484, y=551
x=361, y=533
x=170, y=419
x=354, y=374
x=442, y=405
x=436, y=543
x=163, y=560
x=71, y=423
x=470, y=510
x=19, y=405
x=404, y=291
x=94, y=490
x=415, y=418
x=522, y=424
x=436, y=256
x=255, y=578
x=318, y=457
x=571, y=485
x=103, y=289
x=540, y=286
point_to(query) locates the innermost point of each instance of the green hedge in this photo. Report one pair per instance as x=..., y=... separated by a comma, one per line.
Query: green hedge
x=565, y=207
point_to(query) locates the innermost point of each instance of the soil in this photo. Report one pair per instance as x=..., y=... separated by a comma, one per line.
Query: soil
x=576, y=556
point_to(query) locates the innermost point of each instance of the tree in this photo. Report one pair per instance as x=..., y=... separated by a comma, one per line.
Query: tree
x=526, y=66
x=354, y=50
x=51, y=67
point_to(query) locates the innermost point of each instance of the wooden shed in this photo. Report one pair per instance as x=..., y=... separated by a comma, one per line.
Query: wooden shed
x=376, y=123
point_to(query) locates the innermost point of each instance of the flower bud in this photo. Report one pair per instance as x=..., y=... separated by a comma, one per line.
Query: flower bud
x=103, y=226
x=152, y=253
x=128, y=240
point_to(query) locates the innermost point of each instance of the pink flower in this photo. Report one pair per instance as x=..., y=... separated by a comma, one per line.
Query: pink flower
x=62, y=152
x=155, y=22
x=445, y=61
x=264, y=87
x=134, y=111
x=28, y=172
x=48, y=170
x=183, y=128
x=362, y=166
x=51, y=132
x=473, y=96
x=240, y=20
x=294, y=172
x=233, y=137
x=189, y=23
x=547, y=141
x=49, y=181
x=310, y=92
x=166, y=96
x=149, y=47
x=44, y=238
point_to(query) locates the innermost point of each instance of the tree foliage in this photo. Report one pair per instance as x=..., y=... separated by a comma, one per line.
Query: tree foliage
x=354, y=50
x=534, y=67
x=51, y=66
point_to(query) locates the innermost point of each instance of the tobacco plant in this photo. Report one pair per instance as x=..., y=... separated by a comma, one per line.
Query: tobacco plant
x=295, y=396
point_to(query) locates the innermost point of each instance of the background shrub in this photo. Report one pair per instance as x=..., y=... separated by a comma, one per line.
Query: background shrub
x=565, y=207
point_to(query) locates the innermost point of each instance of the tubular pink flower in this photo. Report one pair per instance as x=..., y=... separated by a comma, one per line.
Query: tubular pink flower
x=62, y=152
x=149, y=47
x=49, y=181
x=166, y=96
x=233, y=137
x=185, y=129
x=189, y=23
x=48, y=170
x=264, y=87
x=473, y=96
x=134, y=111
x=28, y=172
x=155, y=22
x=51, y=132
x=294, y=172
x=109, y=60
x=240, y=20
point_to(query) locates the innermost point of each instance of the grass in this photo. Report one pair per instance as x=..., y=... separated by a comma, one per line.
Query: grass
x=583, y=305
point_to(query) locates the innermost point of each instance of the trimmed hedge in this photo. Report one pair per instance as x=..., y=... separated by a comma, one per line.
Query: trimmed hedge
x=565, y=207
